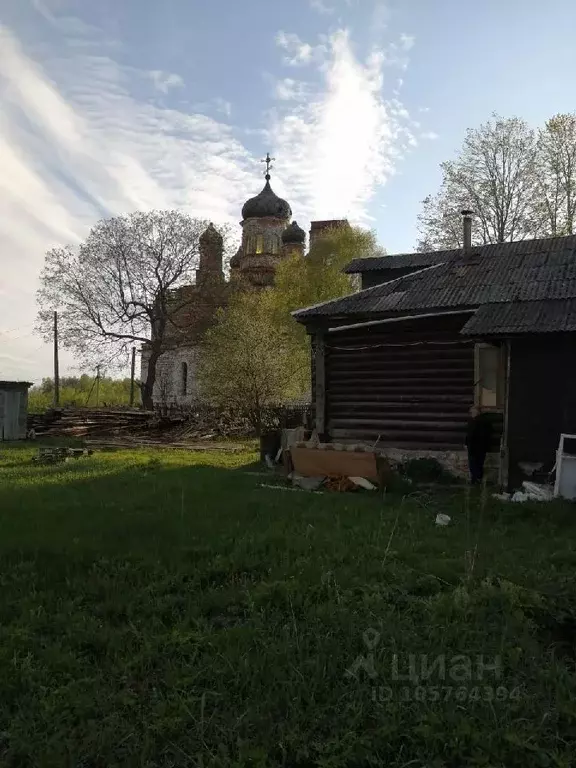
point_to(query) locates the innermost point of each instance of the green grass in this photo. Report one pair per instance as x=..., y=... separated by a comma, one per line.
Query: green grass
x=161, y=609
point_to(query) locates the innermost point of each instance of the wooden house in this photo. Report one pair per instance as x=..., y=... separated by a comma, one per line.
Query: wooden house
x=401, y=361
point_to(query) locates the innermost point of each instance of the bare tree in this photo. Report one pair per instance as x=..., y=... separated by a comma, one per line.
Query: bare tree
x=556, y=204
x=119, y=287
x=494, y=175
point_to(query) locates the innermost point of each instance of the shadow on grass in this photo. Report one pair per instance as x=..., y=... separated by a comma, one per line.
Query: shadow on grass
x=160, y=613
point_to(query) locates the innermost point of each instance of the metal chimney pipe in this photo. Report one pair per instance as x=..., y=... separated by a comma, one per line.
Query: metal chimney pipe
x=467, y=228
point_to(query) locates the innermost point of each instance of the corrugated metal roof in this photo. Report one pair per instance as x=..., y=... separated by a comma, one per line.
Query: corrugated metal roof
x=527, y=271
x=427, y=258
x=523, y=317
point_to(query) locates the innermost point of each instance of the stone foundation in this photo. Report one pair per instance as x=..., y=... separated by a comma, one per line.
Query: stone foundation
x=455, y=462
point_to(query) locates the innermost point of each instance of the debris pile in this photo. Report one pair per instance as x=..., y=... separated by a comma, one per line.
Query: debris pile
x=84, y=422
x=132, y=428
x=56, y=455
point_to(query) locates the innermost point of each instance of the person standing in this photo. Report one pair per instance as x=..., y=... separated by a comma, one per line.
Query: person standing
x=478, y=443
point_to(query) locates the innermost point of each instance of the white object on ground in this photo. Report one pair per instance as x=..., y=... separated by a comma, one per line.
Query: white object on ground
x=538, y=492
x=278, y=487
x=269, y=462
x=283, y=488
x=442, y=519
x=363, y=483
x=565, y=484
x=533, y=492
x=501, y=496
x=306, y=483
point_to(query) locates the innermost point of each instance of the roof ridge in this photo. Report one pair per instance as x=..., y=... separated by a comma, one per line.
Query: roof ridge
x=532, y=244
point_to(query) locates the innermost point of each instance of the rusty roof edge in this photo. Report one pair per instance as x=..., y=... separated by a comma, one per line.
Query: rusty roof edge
x=299, y=312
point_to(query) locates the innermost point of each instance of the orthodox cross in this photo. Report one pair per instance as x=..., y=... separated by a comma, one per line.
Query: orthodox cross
x=268, y=160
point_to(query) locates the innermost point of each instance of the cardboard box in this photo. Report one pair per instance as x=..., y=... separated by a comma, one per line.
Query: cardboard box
x=316, y=462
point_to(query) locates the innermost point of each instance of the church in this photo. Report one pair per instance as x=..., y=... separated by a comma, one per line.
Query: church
x=268, y=235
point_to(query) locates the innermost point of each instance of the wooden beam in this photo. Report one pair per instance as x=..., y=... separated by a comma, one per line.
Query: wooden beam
x=504, y=468
x=320, y=378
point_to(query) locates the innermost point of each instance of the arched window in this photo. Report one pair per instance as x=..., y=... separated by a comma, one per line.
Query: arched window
x=259, y=244
x=184, y=379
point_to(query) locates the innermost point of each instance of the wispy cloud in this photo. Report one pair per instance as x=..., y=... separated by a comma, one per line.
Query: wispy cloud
x=165, y=81
x=88, y=148
x=407, y=41
x=83, y=136
x=346, y=138
x=299, y=53
x=322, y=7
x=289, y=89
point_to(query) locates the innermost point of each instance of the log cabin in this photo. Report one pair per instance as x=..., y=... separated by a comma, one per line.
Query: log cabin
x=400, y=362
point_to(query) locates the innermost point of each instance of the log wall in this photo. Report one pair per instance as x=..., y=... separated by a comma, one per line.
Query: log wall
x=409, y=384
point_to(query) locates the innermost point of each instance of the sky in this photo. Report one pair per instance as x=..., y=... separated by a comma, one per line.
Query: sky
x=117, y=106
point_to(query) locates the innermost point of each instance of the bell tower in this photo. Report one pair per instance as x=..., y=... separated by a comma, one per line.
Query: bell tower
x=264, y=218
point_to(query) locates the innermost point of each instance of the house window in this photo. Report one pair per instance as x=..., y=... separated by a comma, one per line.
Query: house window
x=259, y=243
x=489, y=376
x=184, y=379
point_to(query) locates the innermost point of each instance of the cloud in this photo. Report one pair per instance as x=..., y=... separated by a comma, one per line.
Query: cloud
x=407, y=41
x=321, y=7
x=291, y=90
x=85, y=148
x=223, y=106
x=165, y=81
x=83, y=136
x=345, y=140
x=429, y=135
x=299, y=53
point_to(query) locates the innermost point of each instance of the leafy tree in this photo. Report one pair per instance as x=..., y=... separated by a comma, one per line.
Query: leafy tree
x=245, y=362
x=556, y=176
x=258, y=355
x=494, y=174
x=118, y=288
x=305, y=280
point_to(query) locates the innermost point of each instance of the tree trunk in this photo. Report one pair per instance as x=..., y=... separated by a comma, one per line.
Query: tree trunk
x=148, y=385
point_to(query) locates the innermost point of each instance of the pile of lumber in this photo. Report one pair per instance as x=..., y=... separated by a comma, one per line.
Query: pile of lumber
x=83, y=422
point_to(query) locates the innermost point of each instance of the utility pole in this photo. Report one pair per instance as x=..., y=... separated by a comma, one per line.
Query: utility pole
x=56, y=364
x=97, y=384
x=132, y=372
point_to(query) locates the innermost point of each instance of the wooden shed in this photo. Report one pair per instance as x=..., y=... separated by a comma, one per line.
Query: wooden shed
x=401, y=362
x=13, y=409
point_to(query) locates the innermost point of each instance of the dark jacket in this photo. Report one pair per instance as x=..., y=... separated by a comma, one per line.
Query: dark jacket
x=479, y=434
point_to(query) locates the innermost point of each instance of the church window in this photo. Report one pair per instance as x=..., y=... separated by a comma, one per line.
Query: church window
x=184, y=379
x=259, y=243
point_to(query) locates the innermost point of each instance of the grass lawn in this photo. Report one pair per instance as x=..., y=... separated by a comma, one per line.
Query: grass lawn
x=161, y=609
